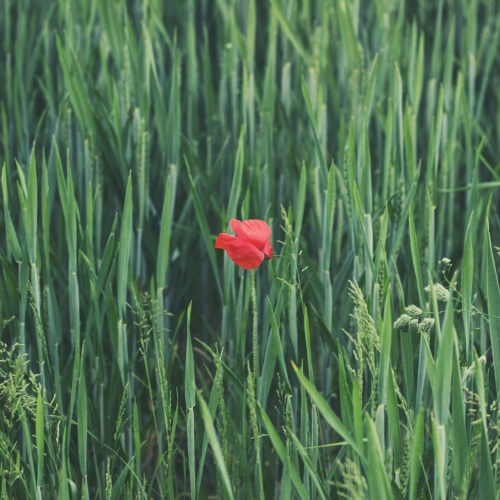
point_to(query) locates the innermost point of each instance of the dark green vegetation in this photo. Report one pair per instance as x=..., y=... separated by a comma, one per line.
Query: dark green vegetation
x=365, y=133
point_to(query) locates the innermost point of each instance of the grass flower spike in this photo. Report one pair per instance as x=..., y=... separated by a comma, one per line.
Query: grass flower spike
x=251, y=243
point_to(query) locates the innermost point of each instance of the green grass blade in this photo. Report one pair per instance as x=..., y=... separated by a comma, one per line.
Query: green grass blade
x=189, y=381
x=309, y=465
x=417, y=448
x=493, y=300
x=202, y=221
x=124, y=251
x=288, y=29
x=238, y=173
x=10, y=230
x=32, y=210
x=283, y=454
x=39, y=438
x=460, y=442
x=330, y=417
x=384, y=366
x=467, y=280
x=444, y=363
x=486, y=480
x=218, y=455
x=416, y=258
x=165, y=236
x=82, y=419
x=377, y=477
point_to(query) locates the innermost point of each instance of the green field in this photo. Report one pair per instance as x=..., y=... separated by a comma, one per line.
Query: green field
x=137, y=361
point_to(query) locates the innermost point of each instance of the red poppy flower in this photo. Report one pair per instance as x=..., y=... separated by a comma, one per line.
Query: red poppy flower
x=251, y=243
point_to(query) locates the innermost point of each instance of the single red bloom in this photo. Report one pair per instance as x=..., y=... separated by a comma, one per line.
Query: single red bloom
x=251, y=243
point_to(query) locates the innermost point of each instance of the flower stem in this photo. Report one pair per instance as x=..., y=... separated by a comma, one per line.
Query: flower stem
x=254, y=332
x=252, y=386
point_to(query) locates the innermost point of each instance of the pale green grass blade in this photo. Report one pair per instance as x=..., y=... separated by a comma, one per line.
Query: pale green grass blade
x=377, y=476
x=460, y=442
x=106, y=261
x=82, y=419
x=32, y=210
x=394, y=422
x=330, y=417
x=440, y=454
x=417, y=448
x=319, y=150
x=165, y=236
x=74, y=80
x=191, y=451
x=124, y=251
x=422, y=366
x=365, y=182
x=288, y=29
x=212, y=406
x=237, y=383
x=117, y=491
x=384, y=366
x=346, y=24
x=283, y=454
x=190, y=396
x=493, y=300
x=39, y=439
x=29, y=453
x=10, y=230
x=416, y=258
x=234, y=196
x=173, y=137
x=309, y=466
x=218, y=455
x=364, y=237
x=300, y=205
x=402, y=222
x=329, y=212
x=444, y=363
x=345, y=394
x=109, y=14
x=486, y=478
x=307, y=336
x=466, y=289
x=268, y=372
x=357, y=416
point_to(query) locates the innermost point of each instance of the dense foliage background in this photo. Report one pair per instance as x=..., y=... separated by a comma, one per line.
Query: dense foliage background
x=136, y=361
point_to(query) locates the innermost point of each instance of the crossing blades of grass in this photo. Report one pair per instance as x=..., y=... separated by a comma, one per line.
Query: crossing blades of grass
x=327, y=412
x=214, y=441
x=283, y=454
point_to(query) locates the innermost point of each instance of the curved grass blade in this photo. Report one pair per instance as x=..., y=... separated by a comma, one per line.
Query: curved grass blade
x=283, y=454
x=327, y=412
x=212, y=436
x=308, y=465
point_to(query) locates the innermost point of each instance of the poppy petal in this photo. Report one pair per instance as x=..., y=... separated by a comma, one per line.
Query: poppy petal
x=254, y=230
x=240, y=251
x=268, y=250
x=237, y=227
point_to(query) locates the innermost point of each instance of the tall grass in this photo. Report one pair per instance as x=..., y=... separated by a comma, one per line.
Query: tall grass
x=136, y=361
